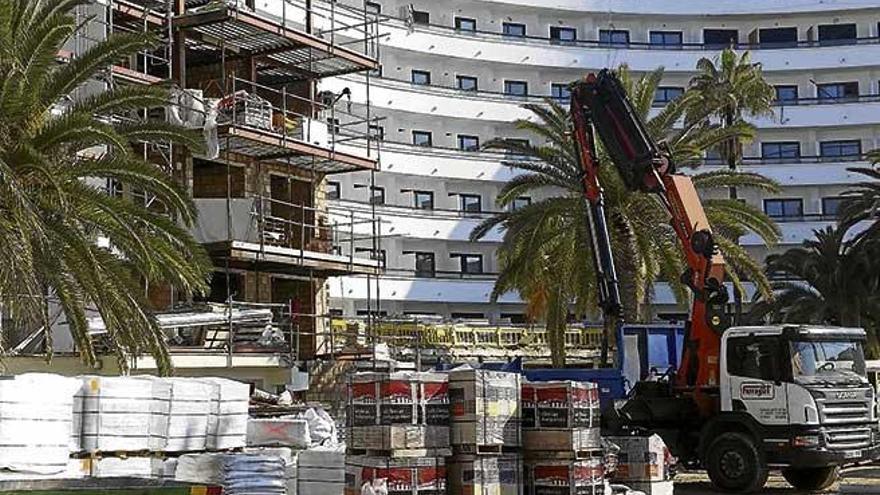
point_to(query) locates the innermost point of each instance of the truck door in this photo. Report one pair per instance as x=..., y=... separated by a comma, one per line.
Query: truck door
x=754, y=366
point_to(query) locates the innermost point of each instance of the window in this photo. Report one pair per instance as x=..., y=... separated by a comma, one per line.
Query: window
x=471, y=202
x=613, y=37
x=333, y=190
x=471, y=263
x=421, y=17
x=837, y=34
x=720, y=38
x=521, y=202
x=784, y=208
x=466, y=83
x=378, y=195
x=755, y=357
x=513, y=29
x=516, y=88
x=558, y=33
x=423, y=200
x=713, y=156
x=560, y=92
x=373, y=7
x=665, y=38
x=837, y=91
x=377, y=132
x=664, y=95
x=851, y=149
x=422, y=138
x=468, y=143
x=465, y=24
x=467, y=316
x=831, y=206
x=777, y=37
x=425, y=267
x=421, y=77
x=780, y=150
x=786, y=93
x=516, y=141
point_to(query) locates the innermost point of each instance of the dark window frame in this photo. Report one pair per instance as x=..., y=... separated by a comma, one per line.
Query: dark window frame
x=377, y=199
x=461, y=138
x=419, y=72
x=421, y=17
x=373, y=7
x=464, y=205
x=427, y=144
x=509, y=83
x=417, y=204
x=662, y=36
x=726, y=33
x=826, y=201
x=825, y=146
x=782, y=152
x=425, y=257
x=767, y=352
x=836, y=91
x=520, y=202
x=556, y=34
x=461, y=20
x=608, y=37
x=506, y=25
x=560, y=92
x=333, y=191
x=832, y=34
x=464, y=263
x=778, y=32
x=666, y=90
x=785, y=87
x=785, y=203
x=473, y=79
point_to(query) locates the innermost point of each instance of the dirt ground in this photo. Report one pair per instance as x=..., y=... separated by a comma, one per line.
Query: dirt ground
x=859, y=480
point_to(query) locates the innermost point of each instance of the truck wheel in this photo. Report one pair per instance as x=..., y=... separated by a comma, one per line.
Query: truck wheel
x=811, y=479
x=735, y=464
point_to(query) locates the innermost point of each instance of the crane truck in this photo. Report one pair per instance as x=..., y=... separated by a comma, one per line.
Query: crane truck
x=744, y=398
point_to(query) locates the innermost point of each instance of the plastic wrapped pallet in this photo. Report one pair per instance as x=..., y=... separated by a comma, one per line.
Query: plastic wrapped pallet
x=75, y=469
x=401, y=410
x=199, y=468
x=124, y=413
x=188, y=414
x=36, y=417
x=560, y=416
x=484, y=475
x=485, y=409
x=321, y=471
x=278, y=432
x=402, y=476
x=642, y=459
x=228, y=418
x=129, y=467
x=565, y=477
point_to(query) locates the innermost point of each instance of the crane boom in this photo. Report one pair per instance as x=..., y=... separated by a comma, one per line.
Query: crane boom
x=599, y=103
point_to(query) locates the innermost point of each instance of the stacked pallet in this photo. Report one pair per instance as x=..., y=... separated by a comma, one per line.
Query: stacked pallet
x=486, y=436
x=561, y=438
x=397, y=431
x=644, y=463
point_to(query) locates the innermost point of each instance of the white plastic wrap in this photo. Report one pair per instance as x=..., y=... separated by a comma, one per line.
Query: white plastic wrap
x=279, y=432
x=188, y=415
x=129, y=467
x=124, y=413
x=321, y=471
x=228, y=419
x=36, y=417
x=251, y=474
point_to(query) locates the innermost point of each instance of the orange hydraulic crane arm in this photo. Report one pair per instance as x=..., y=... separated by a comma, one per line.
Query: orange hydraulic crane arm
x=599, y=103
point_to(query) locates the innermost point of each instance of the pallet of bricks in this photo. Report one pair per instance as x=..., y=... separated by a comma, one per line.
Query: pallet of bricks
x=562, y=443
x=486, y=436
x=397, y=433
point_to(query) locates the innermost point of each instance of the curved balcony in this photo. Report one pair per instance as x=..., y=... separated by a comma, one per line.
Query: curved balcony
x=585, y=55
x=660, y=8
x=403, y=96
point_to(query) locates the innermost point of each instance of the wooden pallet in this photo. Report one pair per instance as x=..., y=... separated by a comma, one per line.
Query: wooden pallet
x=478, y=449
x=563, y=455
x=160, y=454
x=401, y=453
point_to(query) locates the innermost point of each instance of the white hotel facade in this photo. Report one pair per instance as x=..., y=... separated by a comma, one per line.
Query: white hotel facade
x=455, y=74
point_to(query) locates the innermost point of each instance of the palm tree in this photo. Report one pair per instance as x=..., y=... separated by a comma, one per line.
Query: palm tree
x=735, y=88
x=545, y=251
x=828, y=280
x=62, y=237
x=862, y=202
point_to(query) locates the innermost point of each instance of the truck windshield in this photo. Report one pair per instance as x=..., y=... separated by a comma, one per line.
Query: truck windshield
x=819, y=359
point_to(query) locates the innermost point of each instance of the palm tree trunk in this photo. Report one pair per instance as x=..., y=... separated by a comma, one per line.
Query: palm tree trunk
x=557, y=313
x=732, y=162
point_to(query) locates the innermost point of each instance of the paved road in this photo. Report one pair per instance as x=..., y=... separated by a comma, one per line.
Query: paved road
x=862, y=480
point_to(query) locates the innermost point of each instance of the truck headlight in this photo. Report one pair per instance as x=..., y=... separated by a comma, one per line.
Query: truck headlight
x=805, y=441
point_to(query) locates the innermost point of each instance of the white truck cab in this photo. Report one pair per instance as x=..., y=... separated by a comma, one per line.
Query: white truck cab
x=800, y=396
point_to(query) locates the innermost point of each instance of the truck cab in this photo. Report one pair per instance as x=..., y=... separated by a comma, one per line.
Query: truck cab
x=791, y=396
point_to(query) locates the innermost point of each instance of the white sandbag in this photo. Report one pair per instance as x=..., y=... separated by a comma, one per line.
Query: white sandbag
x=228, y=419
x=129, y=467
x=278, y=432
x=199, y=468
x=290, y=458
x=322, y=428
x=253, y=474
x=124, y=413
x=36, y=417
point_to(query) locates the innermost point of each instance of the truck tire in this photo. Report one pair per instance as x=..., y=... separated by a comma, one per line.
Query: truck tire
x=735, y=464
x=811, y=479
